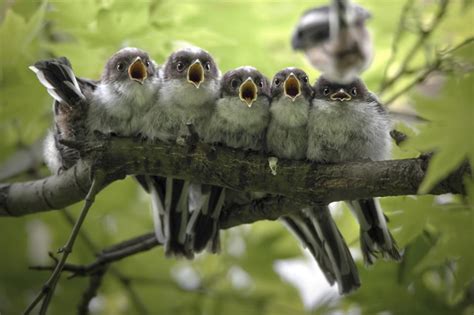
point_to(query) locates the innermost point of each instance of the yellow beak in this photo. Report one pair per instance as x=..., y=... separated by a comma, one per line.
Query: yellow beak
x=248, y=92
x=292, y=87
x=137, y=71
x=195, y=74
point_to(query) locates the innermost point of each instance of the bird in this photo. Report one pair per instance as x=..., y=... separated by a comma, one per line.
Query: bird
x=287, y=138
x=291, y=98
x=347, y=122
x=190, y=81
x=70, y=106
x=335, y=40
x=241, y=114
x=190, y=86
x=128, y=88
x=113, y=105
x=239, y=120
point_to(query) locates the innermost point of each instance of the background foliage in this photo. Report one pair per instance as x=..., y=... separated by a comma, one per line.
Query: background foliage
x=436, y=276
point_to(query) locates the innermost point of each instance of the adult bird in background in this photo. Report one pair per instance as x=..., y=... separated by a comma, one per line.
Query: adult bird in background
x=347, y=123
x=335, y=40
x=113, y=105
x=287, y=138
x=190, y=86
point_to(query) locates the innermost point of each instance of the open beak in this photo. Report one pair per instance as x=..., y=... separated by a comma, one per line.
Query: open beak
x=292, y=87
x=340, y=96
x=137, y=71
x=248, y=92
x=196, y=74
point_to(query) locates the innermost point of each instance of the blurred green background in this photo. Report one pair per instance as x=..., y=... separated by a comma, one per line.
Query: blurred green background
x=261, y=269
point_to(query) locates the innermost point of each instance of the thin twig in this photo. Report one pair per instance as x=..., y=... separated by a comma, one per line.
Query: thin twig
x=396, y=39
x=47, y=291
x=112, y=270
x=424, y=35
x=107, y=256
x=435, y=66
x=417, y=80
x=95, y=282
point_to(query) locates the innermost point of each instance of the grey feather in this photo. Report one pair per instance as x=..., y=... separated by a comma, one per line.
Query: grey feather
x=334, y=245
x=287, y=134
x=177, y=103
x=236, y=125
x=355, y=129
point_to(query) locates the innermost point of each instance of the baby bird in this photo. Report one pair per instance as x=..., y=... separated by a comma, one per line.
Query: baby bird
x=346, y=123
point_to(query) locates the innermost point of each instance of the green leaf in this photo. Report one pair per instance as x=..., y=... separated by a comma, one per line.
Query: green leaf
x=449, y=132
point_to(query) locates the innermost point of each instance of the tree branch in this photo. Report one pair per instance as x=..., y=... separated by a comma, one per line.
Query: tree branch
x=111, y=270
x=48, y=288
x=423, y=36
x=243, y=171
x=95, y=281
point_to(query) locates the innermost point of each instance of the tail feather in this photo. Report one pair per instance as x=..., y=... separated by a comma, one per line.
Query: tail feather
x=176, y=218
x=203, y=225
x=59, y=79
x=218, y=196
x=304, y=231
x=156, y=187
x=375, y=237
x=343, y=264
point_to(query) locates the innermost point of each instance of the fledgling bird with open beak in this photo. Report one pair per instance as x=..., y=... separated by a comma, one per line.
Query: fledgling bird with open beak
x=241, y=114
x=291, y=97
x=239, y=120
x=115, y=104
x=287, y=138
x=127, y=90
x=190, y=86
x=347, y=123
x=340, y=48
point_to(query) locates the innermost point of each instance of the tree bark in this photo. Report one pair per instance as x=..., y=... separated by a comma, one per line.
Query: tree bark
x=300, y=182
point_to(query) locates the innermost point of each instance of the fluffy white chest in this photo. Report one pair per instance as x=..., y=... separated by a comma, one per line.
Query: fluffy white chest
x=177, y=104
x=347, y=131
x=239, y=116
x=177, y=93
x=290, y=113
x=236, y=125
x=120, y=107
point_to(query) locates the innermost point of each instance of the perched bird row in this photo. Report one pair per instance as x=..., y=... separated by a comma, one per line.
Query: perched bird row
x=286, y=117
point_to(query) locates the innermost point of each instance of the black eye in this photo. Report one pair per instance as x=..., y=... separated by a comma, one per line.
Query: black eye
x=235, y=83
x=260, y=83
x=120, y=66
x=277, y=82
x=354, y=91
x=305, y=79
x=326, y=91
x=207, y=65
x=180, y=66
x=147, y=63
